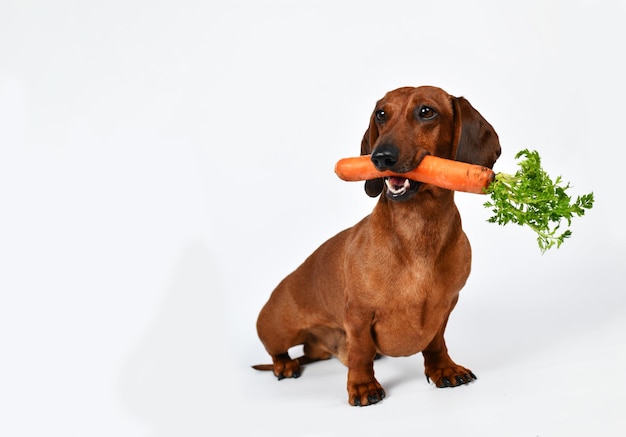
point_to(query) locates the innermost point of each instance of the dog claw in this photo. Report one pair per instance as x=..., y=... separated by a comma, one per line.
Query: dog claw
x=294, y=375
x=365, y=395
x=450, y=377
x=373, y=399
x=469, y=377
x=376, y=397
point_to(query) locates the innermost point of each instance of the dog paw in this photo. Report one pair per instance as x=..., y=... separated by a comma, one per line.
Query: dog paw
x=450, y=376
x=285, y=367
x=361, y=395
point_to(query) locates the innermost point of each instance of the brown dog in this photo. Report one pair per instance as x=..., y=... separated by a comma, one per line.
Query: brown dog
x=388, y=284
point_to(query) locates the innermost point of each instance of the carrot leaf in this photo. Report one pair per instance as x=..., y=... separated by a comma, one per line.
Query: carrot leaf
x=531, y=198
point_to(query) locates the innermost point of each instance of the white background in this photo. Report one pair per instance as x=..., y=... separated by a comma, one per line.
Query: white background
x=163, y=164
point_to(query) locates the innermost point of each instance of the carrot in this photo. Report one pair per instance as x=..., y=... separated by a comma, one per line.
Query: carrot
x=444, y=173
x=529, y=197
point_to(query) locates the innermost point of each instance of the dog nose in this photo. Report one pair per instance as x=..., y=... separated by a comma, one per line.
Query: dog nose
x=385, y=156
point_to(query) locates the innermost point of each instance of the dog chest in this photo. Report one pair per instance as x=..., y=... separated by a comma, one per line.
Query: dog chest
x=408, y=329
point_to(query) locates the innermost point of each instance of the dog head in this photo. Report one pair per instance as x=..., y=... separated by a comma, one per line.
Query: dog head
x=410, y=123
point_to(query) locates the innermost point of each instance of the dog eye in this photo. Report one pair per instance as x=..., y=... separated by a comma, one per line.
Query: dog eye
x=380, y=115
x=426, y=113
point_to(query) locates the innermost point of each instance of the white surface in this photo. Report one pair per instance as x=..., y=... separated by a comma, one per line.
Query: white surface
x=164, y=164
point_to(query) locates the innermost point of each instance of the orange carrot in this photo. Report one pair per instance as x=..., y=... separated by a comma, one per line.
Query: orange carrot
x=444, y=173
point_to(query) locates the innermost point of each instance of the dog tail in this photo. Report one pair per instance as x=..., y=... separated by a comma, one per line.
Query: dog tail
x=263, y=367
x=302, y=360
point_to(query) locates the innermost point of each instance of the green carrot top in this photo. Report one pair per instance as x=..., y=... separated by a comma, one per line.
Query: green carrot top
x=532, y=198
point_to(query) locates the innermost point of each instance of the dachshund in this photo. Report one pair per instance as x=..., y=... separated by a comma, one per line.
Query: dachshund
x=387, y=285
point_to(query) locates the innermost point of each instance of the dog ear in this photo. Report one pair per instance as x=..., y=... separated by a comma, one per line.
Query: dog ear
x=475, y=139
x=373, y=187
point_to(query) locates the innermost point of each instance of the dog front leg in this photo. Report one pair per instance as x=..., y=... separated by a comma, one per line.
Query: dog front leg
x=363, y=388
x=439, y=367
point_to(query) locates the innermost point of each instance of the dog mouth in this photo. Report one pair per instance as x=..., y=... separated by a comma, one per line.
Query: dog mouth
x=399, y=188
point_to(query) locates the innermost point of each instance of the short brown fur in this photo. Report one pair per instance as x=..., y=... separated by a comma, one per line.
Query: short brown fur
x=388, y=284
